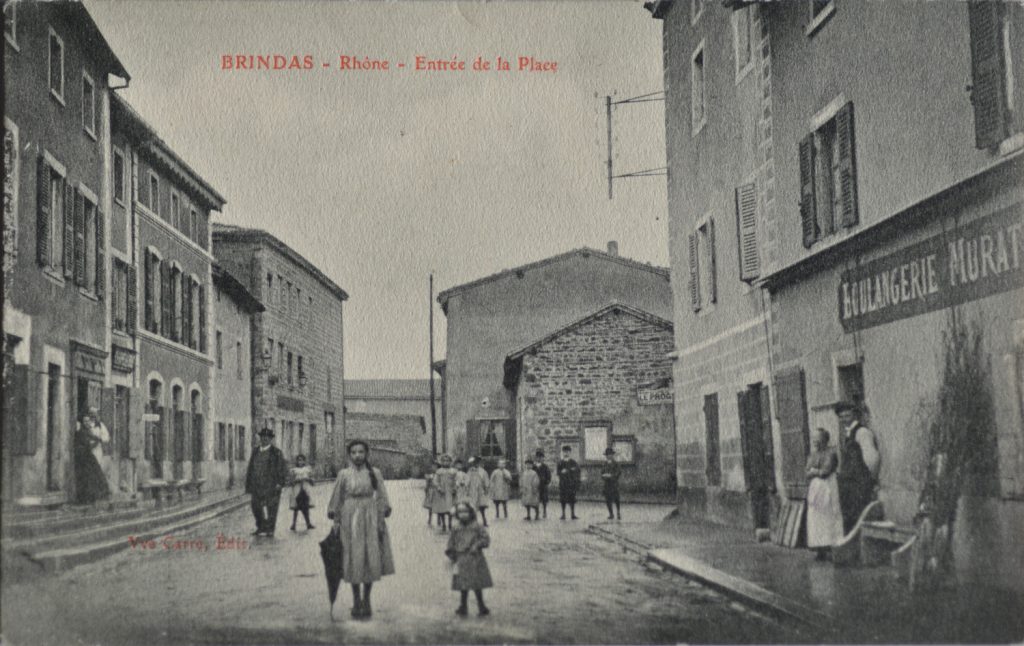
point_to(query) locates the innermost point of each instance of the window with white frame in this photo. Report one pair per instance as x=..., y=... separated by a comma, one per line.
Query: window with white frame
x=56, y=66
x=828, y=175
x=703, y=266
x=88, y=105
x=698, y=93
x=175, y=210
x=193, y=225
x=90, y=261
x=742, y=40
x=119, y=295
x=12, y=162
x=11, y=23
x=696, y=9
x=154, y=193
x=120, y=179
x=57, y=218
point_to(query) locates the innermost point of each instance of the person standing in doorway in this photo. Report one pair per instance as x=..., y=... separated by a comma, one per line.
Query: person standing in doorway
x=358, y=507
x=264, y=478
x=568, y=481
x=544, y=473
x=501, y=481
x=610, y=474
x=90, y=482
x=859, y=464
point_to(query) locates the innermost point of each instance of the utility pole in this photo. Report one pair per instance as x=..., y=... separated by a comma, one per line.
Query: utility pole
x=433, y=413
x=608, y=110
x=650, y=172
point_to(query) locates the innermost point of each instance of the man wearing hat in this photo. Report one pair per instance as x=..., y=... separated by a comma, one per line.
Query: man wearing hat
x=568, y=481
x=610, y=474
x=264, y=479
x=545, y=479
x=859, y=462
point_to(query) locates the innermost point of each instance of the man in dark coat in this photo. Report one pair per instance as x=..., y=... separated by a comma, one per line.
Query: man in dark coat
x=858, y=464
x=568, y=481
x=265, y=477
x=610, y=474
x=545, y=479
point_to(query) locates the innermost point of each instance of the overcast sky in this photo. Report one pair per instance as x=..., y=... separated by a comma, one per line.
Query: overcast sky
x=381, y=177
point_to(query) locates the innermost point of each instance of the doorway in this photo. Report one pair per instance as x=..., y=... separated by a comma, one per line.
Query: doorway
x=178, y=422
x=758, y=457
x=53, y=410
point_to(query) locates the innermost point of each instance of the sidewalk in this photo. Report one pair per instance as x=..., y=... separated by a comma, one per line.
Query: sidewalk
x=841, y=604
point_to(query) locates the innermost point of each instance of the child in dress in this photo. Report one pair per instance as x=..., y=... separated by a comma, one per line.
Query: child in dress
x=462, y=483
x=428, y=496
x=529, y=490
x=465, y=549
x=302, y=476
x=501, y=481
x=444, y=492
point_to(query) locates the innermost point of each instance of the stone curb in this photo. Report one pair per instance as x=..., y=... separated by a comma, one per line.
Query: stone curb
x=736, y=588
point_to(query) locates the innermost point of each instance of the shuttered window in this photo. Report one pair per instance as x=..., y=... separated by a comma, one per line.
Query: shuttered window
x=828, y=178
x=794, y=436
x=989, y=87
x=694, y=272
x=12, y=179
x=712, y=448
x=748, y=246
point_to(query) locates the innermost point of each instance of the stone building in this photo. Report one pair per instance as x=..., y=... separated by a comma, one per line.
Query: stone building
x=160, y=292
x=602, y=381
x=396, y=441
x=888, y=202
x=57, y=288
x=499, y=314
x=298, y=367
x=232, y=433
x=395, y=397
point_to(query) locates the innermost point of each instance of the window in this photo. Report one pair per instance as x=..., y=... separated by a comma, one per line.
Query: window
x=309, y=312
x=279, y=296
x=298, y=369
x=193, y=225
x=288, y=297
x=301, y=439
x=698, y=94
x=596, y=438
x=175, y=208
x=120, y=180
x=221, y=447
x=12, y=162
x=696, y=9
x=268, y=297
x=238, y=359
x=240, y=446
x=154, y=194
x=749, y=251
x=713, y=465
x=741, y=40
x=492, y=441
x=819, y=11
x=91, y=249
x=11, y=23
x=57, y=219
x=88, y=105
x=298, y=304
x=56, y=66
x=280, y=358
x=703, y=266
x=119, y=296
x=122, y=408
x=992, y=84
x=219, y=349
x=828, y=177
x=176, y=305
x=152, y=289
x=289, y=368
x=624, y=447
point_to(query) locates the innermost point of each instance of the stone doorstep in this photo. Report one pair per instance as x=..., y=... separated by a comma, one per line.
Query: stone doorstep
x=63, y=559
x=736, y=588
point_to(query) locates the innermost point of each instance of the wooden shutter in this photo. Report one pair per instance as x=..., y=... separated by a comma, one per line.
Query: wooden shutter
x=101, y=254
x=746, y=232
x=79, y=239
x=988, y=73
x=108, y=415
x=694, y=273
x=712, y=448
x=148, y=289
x=43, y=212
x=132, y=297
x=165, y=299
x=19, y=414
x=69, y=231
x=202, y=318
x=808, y=208
x=712, y=263
x=847, y=166
x=766, y=429
x=791, y=410
x=186, y=306
x=198, y=440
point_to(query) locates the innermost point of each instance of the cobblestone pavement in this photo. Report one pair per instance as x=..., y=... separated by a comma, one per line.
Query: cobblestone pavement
x=555, y=583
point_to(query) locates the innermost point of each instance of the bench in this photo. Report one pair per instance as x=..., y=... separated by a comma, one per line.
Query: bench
x=881, y=539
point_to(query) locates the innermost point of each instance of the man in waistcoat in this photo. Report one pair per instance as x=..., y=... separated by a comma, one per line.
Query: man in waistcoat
x=859, y=463
x=265, y=477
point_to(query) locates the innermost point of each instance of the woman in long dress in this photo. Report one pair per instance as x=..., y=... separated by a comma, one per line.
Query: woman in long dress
x=824, y=518
x=90, y=482
x=358, y=508
x=444, y=492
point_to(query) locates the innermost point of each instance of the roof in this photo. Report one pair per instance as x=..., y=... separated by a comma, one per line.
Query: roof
x=94, y=36
x=223, y=279
x=231, y=233
x=582, y=252
x=154, y=145
x=389, y=389
x=607, y=309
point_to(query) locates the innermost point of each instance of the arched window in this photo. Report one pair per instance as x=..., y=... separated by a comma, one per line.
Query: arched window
x=178, y=422
x=154, y=449
x=198, y=433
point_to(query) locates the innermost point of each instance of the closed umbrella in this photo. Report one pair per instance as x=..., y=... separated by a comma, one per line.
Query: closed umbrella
x=331, y=553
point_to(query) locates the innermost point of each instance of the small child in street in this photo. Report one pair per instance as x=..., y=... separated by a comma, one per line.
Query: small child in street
x=462, y=483
x=529, y=490
x=501, y=481
x=465, y=549
x=428, y=496
x=302, y=476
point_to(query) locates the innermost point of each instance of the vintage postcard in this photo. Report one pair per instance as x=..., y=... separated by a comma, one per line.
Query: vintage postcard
x=470, y=322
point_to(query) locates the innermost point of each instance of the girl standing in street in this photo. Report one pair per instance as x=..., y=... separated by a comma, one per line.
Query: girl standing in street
x=824, y=517
x=462, y=484
x=302, y=476
x=465, y=549
x=428, y=495
x=529, y=490
x=358, y=508
x=479, y=483
x=501, y=481
x=444, y=492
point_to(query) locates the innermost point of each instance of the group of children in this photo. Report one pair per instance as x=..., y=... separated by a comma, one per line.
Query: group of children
x=454, y=483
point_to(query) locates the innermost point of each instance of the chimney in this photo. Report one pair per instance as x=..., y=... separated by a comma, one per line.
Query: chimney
x=613, y=248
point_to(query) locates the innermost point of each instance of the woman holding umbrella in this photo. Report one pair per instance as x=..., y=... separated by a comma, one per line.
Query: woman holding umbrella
x=358, y=508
